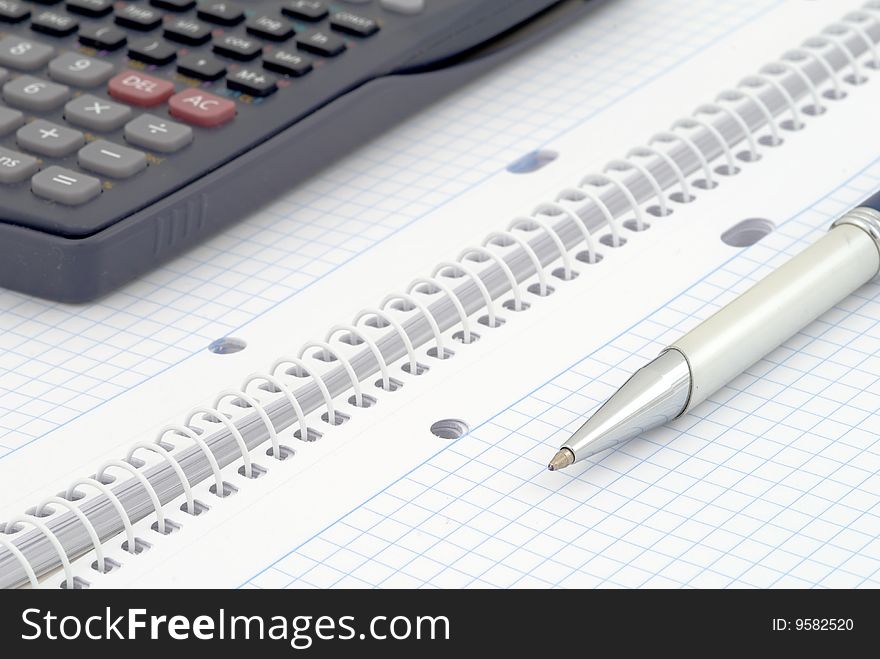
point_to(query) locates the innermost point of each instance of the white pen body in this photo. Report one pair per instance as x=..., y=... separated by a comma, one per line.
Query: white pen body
x=760, y=320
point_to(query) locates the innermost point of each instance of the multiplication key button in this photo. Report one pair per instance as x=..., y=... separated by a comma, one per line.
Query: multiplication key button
x=65, y=186
x=95, y=113
x=151, y=132
x=16, y=167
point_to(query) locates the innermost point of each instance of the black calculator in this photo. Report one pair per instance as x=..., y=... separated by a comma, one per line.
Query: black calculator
x=131, y=130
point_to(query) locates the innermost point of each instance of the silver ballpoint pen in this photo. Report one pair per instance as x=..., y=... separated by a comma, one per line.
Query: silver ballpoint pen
x=735, y=337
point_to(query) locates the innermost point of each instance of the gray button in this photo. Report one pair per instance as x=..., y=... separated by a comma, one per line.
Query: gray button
x=96, y=113
x=80, y=71
x=29, y=93
x=404, y=6
x=152, y=132
x=65, y=186
x=49, y=139
x=15, y=166
x=9, y=120
x=24, y=54
x=4, y=75
x=110, y=159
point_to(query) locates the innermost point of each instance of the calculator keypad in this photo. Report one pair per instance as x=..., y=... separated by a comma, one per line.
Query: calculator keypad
x=96, y=93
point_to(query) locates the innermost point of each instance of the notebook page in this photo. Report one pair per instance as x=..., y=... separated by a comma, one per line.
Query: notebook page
x=583, y=321
x=59, y=362
x=770, y=483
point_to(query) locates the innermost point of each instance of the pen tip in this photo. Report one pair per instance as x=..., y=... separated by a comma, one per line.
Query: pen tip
x=561, y=460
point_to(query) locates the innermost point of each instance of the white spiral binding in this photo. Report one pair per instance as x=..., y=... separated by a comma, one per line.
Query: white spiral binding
x=52, y=538
x=100, y=563
x=174, y=464
x=832, y=33
x=788, y=65
x=491, y=249
x=151, y=491
x=853, y=19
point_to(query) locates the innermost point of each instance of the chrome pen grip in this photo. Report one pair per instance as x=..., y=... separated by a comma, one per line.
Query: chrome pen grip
x=787, y=300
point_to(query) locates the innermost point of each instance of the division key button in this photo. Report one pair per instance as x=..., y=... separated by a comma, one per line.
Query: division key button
x=65, y=186
x=140, y=89
x=151, y=132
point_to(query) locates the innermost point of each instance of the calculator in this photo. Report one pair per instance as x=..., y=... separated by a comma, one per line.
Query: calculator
x=132, y=130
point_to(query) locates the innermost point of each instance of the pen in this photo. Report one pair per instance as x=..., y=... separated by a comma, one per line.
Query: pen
x=737, y=336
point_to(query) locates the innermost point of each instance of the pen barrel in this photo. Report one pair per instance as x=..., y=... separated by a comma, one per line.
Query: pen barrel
x=777, y=307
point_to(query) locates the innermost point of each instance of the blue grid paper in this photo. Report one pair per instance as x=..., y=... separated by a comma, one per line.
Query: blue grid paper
x=58, y=361
x=772, y=482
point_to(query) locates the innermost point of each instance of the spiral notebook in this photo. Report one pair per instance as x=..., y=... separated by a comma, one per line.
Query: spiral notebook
x=406, y=444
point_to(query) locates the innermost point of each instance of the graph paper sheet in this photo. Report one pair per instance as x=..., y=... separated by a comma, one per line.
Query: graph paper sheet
x=773, y=482
x=59, y=362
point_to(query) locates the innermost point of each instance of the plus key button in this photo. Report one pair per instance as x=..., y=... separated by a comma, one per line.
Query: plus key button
x=140, y=89
x=201, y=108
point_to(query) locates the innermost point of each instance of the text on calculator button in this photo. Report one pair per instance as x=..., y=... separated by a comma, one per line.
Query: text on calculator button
x=140, y=89
x=201, y=108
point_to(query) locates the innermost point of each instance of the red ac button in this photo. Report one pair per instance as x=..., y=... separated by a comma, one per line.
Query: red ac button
x=200, y=108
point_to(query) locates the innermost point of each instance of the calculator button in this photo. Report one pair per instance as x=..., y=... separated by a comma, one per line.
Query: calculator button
x=140, y=89
x=138, y=18
x=202, y=67
x=16, y=167
x=270, y=28
x=54, y=24
x=12, y=11
x=305, y=10
x=4, y=75
x=221, y=13
x=237, y=47
x=201, y=108
x=152, y=50
x=255, y=83
x=174, y=5
x=102, y=37
x=94, y=113
x=24, y=54
x=10, y=120
x=48, y=139
x=287, y=62
x=79, y=70
x=360, y=26
x=404, y=6
x=34, y=94
x=188, y=31
x=65, y=186
x=109, y=159
x=151, y=132
x=321, y=43
x=90, y=8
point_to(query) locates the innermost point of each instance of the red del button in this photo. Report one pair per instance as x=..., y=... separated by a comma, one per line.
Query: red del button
x=201, y=108
x=140, y=89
